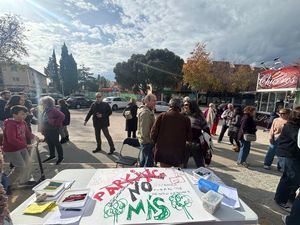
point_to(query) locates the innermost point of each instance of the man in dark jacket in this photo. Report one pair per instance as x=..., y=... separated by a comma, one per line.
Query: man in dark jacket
x=289, y=149
x=170, y=133
x=100, y=112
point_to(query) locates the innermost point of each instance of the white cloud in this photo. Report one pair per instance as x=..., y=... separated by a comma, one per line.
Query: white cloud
x=82, y=4
x=239, y=31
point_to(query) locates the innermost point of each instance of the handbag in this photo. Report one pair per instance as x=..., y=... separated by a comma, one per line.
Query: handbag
x=250, y=137
x=128, y=115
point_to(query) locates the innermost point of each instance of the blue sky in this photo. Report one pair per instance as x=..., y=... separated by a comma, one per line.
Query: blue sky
x=101, y=33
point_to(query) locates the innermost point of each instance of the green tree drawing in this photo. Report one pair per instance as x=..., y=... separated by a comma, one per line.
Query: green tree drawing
x=180, y=201
x=115, y=208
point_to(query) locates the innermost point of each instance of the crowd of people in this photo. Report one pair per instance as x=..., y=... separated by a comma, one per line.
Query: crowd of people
x=17, y=140
x=169, y=140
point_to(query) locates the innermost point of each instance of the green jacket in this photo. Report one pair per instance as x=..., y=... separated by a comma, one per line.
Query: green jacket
x=146, y=120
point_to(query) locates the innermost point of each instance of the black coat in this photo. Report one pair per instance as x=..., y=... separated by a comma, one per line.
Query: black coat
x=131, y=125
x=248, y=126
x=287, y=141
x=65, y=110
x=2, y=108
x=101, y=108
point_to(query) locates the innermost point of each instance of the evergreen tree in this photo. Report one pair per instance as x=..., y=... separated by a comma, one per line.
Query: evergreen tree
x=52, y=71
x=68, y=71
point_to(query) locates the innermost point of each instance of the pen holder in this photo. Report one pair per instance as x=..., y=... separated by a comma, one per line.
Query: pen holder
x=206, y=185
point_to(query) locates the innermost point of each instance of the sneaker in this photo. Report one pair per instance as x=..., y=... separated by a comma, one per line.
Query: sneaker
x=49, y=158
x=111, y=151
x=59, y=161
x=267, y=167
x=284, y=206
x=284, y=218
x=97, y=150
x=245, y=164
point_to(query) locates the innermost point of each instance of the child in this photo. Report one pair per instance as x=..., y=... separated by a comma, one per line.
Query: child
x=15, y=148
x=63, y=131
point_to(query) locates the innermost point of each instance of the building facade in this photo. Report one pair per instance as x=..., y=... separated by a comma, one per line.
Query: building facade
x=22, y=78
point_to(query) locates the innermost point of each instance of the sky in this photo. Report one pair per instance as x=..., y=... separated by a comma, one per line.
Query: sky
x=101, y=33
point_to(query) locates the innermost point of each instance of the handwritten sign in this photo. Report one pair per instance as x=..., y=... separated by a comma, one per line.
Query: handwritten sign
x=145, y=196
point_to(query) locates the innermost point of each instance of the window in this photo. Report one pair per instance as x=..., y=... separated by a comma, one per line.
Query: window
x=264, y=102
x=271, y=102
x=117, y=99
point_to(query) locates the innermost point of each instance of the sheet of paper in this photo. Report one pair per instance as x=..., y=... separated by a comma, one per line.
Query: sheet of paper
x=63, y=217
x=231, y=197
x=145, y=196
x=37, y=208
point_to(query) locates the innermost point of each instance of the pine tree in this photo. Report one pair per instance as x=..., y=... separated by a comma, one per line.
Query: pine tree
x=68, y=71
x=52, y=70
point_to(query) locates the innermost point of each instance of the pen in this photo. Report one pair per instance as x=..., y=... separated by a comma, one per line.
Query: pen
x=70, y=209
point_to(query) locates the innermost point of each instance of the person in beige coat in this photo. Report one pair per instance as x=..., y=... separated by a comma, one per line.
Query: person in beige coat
x=211, y=114
x=145, y=122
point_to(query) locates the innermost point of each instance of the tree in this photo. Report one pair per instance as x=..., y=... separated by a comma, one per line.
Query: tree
x=87, y=80
x=11, y=38
x=52, y=71
x=164, y=68
x=131, y=75
x=243, y=79
x=68, y=71
x=103, y=82
x=198, y=71
x=160, y=68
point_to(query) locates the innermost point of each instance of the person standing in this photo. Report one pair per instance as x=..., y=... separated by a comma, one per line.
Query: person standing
x=63, y=131
x=52, y=120
x=146, y=120
x=274, y=133
x=226, y=116
x=101, y=112
x=170, y=133
x=288, y=148
x=211, y=115
x=248, y=128
x=130, y=114
x=234, y=127
x=5, y=96
x=214, y=127
x=198, y=126
x=15, y=147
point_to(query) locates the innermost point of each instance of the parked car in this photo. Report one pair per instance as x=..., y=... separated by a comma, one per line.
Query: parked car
x=161, y=106
x=79, y=102
x=116, y=102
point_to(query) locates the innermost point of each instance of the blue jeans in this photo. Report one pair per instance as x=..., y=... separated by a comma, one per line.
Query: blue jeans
x=244, y=151
x=280, y=163
x=271, y=153
x=289, y=181
x=147, y=156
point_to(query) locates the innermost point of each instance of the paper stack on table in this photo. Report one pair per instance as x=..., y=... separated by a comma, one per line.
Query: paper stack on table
x=230, y=194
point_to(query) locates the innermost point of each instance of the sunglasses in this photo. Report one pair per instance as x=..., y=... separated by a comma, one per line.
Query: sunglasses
x=186, y=105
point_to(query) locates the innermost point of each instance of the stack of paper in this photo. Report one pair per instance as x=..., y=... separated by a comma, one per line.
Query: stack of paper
x=37, y=208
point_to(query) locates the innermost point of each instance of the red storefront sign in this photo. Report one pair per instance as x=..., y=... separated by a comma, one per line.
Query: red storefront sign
x=284, y=78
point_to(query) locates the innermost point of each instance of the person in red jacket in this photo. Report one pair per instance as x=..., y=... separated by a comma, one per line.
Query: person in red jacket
x=15, y=148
